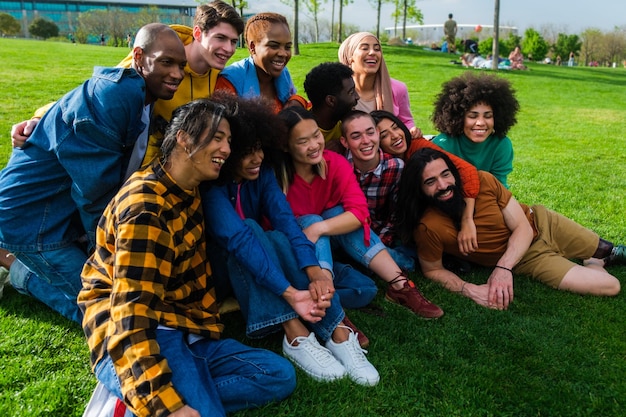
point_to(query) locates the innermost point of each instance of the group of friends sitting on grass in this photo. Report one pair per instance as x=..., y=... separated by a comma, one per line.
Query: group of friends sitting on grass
x=143, y=200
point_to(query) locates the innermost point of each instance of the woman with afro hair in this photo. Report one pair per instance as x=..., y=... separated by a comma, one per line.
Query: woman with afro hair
x=474, y=113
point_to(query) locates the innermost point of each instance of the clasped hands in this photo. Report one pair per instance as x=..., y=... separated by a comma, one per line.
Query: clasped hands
x=497, y=293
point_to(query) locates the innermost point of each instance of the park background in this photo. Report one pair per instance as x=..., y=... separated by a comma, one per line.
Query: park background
x=594, y=31
x=551, y=354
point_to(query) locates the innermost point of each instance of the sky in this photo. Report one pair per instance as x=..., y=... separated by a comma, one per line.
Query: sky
x=567, y=16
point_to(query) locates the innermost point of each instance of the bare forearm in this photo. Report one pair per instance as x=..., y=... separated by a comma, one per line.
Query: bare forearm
x=518, y=245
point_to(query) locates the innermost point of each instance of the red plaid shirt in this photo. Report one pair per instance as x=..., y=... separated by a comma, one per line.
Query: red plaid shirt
x=380, y=187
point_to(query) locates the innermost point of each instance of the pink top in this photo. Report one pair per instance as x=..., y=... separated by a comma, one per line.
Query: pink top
x=401, y=104
x=339, y=188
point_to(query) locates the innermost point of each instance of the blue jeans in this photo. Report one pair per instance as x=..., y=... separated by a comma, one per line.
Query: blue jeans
x=404, y=256
x=265, y=311
x=355, y=289
x=52, y=277
x=216, y=377
x=352, y=243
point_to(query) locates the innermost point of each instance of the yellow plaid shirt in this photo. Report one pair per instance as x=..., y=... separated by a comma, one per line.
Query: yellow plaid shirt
x=149, y=269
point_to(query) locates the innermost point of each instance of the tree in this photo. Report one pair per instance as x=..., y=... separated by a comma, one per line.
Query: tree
x=240, y=4
x=332, y=22
x=296, y=24
x=591, y=45
x=485, y=47
x=551, y=32
x=406, y=10
x=95, y=22
x=378, y=4
x=9, y=25
x=42, y=28
x=410, y=14
x=614, y=45
x=314, y=8
x=340, y=29
x=534, y=45
x=566, y=44
x=509, y=44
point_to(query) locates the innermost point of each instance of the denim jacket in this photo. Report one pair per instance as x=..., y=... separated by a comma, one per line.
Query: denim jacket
x=55, y=188
x=261, y=198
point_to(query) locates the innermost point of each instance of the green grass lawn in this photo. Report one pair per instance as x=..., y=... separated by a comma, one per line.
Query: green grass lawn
x=550, y=354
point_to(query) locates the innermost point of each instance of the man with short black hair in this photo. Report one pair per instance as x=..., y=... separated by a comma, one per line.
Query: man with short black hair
x=331, y=91
x=56, y=186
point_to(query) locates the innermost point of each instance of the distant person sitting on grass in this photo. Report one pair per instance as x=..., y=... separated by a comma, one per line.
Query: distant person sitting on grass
x=150, y=311
x=474, y=113
x=470, y=45
x=517, y=59
x=512, y=237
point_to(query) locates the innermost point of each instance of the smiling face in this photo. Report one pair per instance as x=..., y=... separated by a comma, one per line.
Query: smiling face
x=438, y=182
x=162, y=67
x=218, y=44
x=306, y=144
x=208, y=161
x=361, y=138
x=367, y=57
x=392, y=140
x=479, y=122
x=346, y=99
x=272, y=52
x=249, y=167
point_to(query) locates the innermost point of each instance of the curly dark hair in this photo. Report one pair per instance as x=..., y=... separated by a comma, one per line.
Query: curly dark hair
x=326, y=79
x=254, y=126
x=461, y=93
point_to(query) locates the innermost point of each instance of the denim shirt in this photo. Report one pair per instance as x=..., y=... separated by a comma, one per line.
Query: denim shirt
x=259, y=198
x=55, y=188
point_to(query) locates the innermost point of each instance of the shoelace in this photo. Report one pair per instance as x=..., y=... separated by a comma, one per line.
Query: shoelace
x=319, y=352
x=402, y=276
x=353, y=343
x=356, y=351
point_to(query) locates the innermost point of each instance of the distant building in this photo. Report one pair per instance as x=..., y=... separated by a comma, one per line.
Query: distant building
x=427, y=34
x=65, y=13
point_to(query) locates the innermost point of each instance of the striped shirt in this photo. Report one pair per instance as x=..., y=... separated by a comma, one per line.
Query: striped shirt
x=149, y=271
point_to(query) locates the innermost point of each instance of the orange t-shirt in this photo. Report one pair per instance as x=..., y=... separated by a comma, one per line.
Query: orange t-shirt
x=436, y=233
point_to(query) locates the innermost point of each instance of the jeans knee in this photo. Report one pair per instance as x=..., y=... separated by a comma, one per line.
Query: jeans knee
x=19, y=275
x=307, y=220
x=285, y=376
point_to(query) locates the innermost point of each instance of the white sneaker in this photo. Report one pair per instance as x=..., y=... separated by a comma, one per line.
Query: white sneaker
x=352, y=357
x=313, y=358
x=4, y=279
